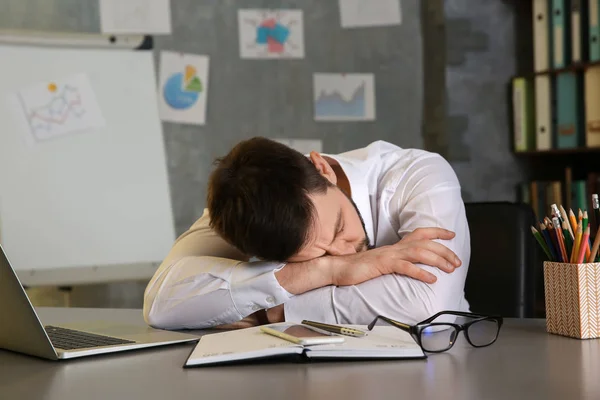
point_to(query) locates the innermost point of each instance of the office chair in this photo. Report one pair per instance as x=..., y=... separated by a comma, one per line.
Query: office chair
x=506, y=270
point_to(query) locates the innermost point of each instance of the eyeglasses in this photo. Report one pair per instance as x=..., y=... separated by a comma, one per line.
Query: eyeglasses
x=435, y=335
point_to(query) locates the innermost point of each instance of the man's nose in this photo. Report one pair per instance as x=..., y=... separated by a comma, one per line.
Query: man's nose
x=341, y=248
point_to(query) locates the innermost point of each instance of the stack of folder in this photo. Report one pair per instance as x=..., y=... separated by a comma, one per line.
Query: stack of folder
x=559, y=107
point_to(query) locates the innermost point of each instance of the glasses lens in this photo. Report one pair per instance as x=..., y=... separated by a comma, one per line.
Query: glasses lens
x=438, y=337
x=483, y=333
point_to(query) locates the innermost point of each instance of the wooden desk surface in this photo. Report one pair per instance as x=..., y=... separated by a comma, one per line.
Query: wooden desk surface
x=525, y=363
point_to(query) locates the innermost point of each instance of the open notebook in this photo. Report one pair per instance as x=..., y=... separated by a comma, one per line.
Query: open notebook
x=247, y=344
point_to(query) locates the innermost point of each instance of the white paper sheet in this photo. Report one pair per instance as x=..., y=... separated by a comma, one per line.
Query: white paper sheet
x=304, y=146
x=135, y=16
x=271, y=33
x=183, y=87
x=364, y=13
x=344, y=97
x=57, y=108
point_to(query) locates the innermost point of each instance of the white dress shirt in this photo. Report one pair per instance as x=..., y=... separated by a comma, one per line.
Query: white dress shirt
x=205, y=282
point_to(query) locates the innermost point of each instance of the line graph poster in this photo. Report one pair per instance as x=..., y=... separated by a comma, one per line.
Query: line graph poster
x=271, y=33
x=344, y=97
x=60, y=107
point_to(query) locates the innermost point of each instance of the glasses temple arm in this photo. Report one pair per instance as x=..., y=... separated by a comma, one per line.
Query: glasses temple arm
x=395, y=323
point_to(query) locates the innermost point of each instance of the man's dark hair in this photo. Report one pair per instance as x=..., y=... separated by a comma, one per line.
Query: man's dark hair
x=258, y=198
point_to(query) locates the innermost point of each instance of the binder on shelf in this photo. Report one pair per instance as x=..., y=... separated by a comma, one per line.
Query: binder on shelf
x=553, y=194
x=524, y=192
x=579, y=31
x=561, y=31
x=594, y=29
x=543, y=113
x=578, y=196
x=569, y=133
x=541, y=35
x=592, y=106
x=523, y=118
x=535, y=200
x=568, y=187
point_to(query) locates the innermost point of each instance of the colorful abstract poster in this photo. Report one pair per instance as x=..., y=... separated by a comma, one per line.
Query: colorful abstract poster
x=60, y=107
x=344, y=97
x=183, y=87
x=271, y=34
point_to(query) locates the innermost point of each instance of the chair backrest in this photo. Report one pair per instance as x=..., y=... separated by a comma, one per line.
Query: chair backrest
x=505, y=273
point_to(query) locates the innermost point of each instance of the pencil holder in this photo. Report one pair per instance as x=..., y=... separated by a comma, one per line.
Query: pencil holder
x=572, y=293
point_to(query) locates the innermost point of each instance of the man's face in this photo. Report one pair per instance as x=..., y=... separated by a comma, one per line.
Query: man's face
x=338, y=228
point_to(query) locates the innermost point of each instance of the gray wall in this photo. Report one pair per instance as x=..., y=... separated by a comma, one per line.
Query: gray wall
x=267, y=98
x=484, y=42
x=260, y=97
x=470, y=51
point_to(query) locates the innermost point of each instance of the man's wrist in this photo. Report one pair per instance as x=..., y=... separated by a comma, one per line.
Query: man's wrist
x=334, y=265
x=301, y=277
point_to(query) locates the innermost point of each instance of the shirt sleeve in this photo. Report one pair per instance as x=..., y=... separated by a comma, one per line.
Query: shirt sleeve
x=427, y=195
x=205, y=282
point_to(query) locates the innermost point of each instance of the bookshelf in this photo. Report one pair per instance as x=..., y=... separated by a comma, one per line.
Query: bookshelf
x=574, y=67
x=559, y=152
x=558, y=111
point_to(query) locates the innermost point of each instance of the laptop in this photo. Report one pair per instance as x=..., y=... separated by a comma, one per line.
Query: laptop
x=22, y=331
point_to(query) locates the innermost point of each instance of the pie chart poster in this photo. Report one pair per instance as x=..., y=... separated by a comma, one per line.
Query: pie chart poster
x=183, y=88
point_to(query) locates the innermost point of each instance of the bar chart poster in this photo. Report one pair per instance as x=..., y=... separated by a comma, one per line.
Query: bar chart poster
x=344, y=97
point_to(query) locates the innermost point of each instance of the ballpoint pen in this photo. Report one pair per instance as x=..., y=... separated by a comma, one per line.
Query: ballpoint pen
x=342, y=330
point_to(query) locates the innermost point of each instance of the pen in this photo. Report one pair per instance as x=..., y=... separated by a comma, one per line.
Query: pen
x=596, y=207
x=342, y=330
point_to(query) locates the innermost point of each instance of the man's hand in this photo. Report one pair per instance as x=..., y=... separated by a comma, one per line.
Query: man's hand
x=275, y=314
x=399, y=258
x=261, y=317
x=248, y=322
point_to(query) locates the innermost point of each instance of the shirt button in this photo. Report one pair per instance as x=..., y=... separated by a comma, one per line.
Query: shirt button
x=270, y=299
x=255, y=307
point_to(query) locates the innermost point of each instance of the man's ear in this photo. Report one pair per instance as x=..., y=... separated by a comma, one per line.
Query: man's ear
x=323, y=167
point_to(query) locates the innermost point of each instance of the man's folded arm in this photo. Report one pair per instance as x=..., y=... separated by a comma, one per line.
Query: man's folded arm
x=433, y=200
x=205, y=282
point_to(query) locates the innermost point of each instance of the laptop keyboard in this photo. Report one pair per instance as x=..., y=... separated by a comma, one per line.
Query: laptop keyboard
x=69, y=339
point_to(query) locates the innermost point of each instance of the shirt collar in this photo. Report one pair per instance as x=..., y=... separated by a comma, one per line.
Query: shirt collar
x=357, y=170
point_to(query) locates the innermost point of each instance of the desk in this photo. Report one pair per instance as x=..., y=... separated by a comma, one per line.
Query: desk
x=525, y=363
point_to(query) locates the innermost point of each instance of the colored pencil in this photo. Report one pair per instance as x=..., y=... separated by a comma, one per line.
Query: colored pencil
x=565, y=218
x=595, y=247
x=542, y=243
x=554, y=238
x=546, y=236
x=573, y=222
x=585, y=225
x=556, y=212
x=577, y=244
x=568, y=239
x=584, y=245
x=560, y=239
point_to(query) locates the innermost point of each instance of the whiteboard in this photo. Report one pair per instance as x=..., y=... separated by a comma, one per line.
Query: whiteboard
x=95, y=202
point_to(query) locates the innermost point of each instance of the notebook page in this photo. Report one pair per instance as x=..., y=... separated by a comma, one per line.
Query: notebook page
x=382, y=341
x=239, y=344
